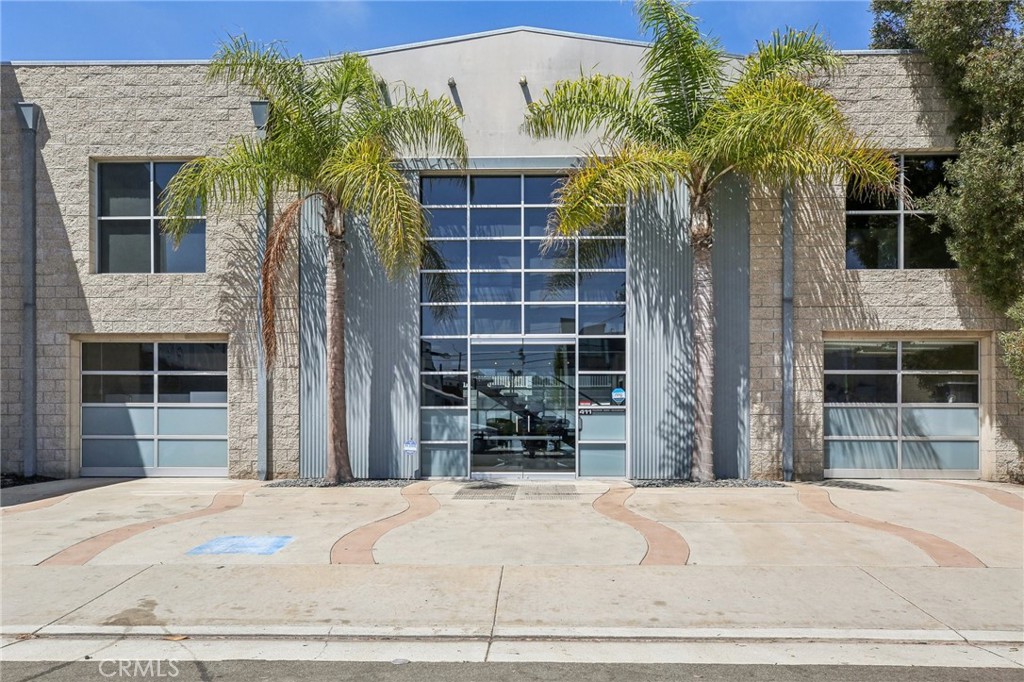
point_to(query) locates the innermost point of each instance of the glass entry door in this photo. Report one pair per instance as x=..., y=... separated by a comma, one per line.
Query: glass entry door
x=523, y=408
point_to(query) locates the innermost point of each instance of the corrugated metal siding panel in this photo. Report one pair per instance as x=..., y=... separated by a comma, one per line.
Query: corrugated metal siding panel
x=660, y=339
x=382, y=364
x=731, y=269
x=312, y=343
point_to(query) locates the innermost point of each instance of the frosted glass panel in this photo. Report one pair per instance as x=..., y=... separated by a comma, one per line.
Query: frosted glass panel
x=940, y=455
x=443, y=460
x=609, y=425
x=204, y=421
x=860, y=454
x=117, y=453
x=860, y=421
x=924, y=421
x=602, y=459
x=193, y=453
x=443, y=424
x=117, y=421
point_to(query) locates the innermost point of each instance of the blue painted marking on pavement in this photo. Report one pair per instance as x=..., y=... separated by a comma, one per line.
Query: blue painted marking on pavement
x=243, y=544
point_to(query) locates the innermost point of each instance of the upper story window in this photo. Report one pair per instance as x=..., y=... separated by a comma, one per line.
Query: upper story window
x=129, y=238
x=887, y=234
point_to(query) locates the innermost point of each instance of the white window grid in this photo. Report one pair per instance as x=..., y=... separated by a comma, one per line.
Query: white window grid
x=152, y=217
x=527, y=339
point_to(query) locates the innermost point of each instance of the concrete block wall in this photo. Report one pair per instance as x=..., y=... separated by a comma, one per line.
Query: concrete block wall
x=93, y=113
x=893, y=100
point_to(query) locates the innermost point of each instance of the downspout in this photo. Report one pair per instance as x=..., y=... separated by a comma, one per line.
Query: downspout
x=260, y=116
x=29, y=115
x=787, y=333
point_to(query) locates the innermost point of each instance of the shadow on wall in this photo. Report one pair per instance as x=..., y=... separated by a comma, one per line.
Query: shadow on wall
x=60, y=302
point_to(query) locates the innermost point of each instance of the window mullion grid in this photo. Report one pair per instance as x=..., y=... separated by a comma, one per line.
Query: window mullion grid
x=152, y=221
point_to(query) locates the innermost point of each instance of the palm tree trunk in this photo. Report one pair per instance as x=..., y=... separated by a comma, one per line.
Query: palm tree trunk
x=339, y=465
x=702, y=464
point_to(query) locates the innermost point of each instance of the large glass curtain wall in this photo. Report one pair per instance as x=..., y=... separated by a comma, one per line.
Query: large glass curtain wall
x=518, y=330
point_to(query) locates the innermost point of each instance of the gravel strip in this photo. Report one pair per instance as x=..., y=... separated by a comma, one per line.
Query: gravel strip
x=324, y=483
x=723, y=483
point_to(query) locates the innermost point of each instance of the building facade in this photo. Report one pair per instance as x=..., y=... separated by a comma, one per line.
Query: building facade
x=847, y=345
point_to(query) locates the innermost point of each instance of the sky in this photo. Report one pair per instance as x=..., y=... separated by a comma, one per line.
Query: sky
x=192, y=29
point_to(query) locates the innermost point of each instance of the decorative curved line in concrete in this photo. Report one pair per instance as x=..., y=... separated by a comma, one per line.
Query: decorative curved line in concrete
x=942, y=552
x=356, y=546
x=1002, y=497
x=35, y=504
x=665, y=547
x=86, y=550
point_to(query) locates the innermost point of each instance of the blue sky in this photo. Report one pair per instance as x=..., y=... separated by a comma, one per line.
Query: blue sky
x=185, y=29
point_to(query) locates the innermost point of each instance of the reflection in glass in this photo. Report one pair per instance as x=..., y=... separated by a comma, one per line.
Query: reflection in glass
x=923, y=248
x=444, y=255
x=523, y=414
x=484, y=189
x=872, y=242
x=603, y=286
x=495, y=287
x=541, y=189
x=162, y=174
x=922, y=174
x=860, y=355
x=948, y=355
x=124, y=189
x=442, y=287
x=443, y=320
x=443, y=355
x=117, y=388
x=550, y=319
x=597, y=320
x=550, y=286
x=596, y=389
x=940, y=455
x=125, y=246
x=193, y=389
x=446, y=222
x=117, y=357
x=195, y=357
x=544, y=255
x=860, y=421
x=602, y=355
x=187, y=256
x=860, y=454
x=602, y=254
x=494, y=222
x=868, y=202
x=860, y=388
x=535, y=221
x=495, y=319
x=443, y=390
x=494, y=255
x=940, y=388
x=442, y=191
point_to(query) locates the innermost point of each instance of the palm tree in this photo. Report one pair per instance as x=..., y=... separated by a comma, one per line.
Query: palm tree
x=693, y=121
x=336, y=133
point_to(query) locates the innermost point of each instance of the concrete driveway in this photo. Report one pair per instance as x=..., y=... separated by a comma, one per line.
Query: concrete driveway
x=532, y=571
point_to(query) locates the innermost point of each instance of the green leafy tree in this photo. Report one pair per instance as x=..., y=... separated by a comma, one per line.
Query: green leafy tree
x=977, y=51
x=691, y=121
x=337, y=133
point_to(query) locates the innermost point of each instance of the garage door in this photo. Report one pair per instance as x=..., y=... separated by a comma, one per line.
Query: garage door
x=902, y=409
x=154, y=409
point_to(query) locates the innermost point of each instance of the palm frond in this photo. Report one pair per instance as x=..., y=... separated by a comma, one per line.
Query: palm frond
x=279, y=238
x=684, y=69
x=605, y=182
x=263, y=67
x=366, y=181
x=419, y=125
x=611, y=104
x=791, y=53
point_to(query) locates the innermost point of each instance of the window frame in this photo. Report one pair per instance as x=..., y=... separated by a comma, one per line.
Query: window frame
x=98, y=219
x=901, y=212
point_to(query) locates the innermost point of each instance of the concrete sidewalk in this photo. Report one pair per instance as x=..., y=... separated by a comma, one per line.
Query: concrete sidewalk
x=446, y=571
